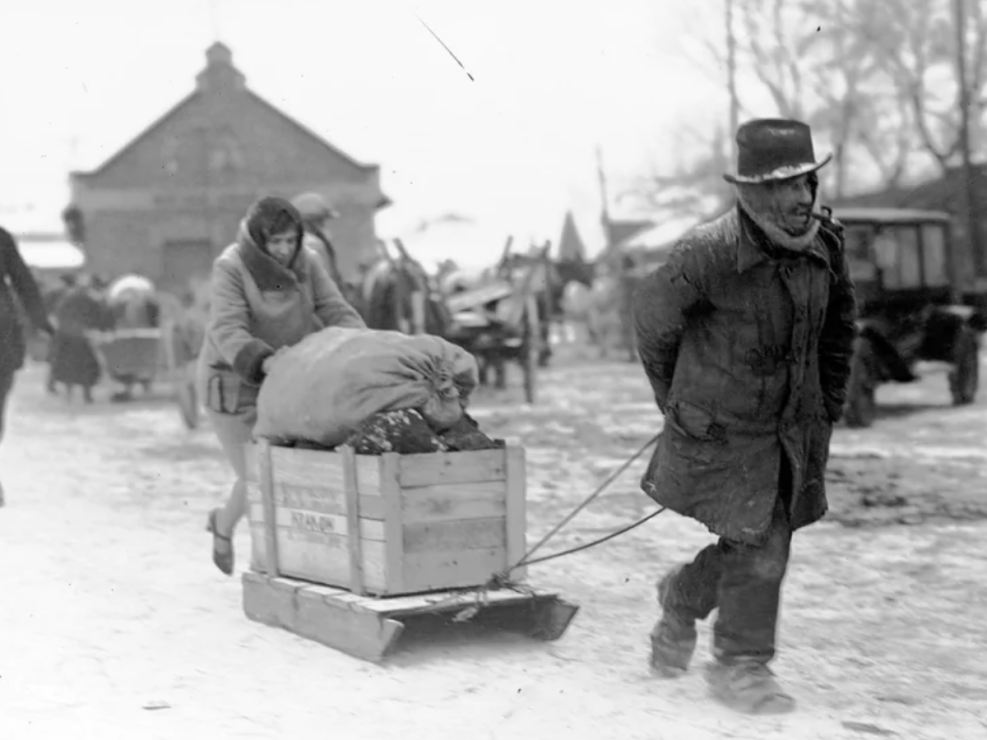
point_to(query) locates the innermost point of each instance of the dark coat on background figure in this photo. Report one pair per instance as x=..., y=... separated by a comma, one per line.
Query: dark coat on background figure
x=16, y=285
x=73, y=359
x=747, y=347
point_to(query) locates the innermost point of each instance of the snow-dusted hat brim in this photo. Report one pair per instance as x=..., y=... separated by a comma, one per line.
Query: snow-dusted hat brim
x=771, y=149
x=781, y=173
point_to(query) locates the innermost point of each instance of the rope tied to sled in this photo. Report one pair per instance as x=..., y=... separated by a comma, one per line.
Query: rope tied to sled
x=502, y=579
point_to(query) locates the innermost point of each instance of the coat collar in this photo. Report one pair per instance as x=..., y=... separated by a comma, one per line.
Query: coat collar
x=753, y=246
x=266, y=271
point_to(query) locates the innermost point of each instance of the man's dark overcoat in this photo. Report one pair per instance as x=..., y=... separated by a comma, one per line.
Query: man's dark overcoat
x=747, y=347
x=16, y=284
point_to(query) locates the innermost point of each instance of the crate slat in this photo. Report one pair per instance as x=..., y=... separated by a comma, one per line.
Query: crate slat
x=390, y=491
x=517, y=511
x=430, y=571
x=326, y=559
x=454, y=536
x=302, y=519
x=452, y=467
x=355, y=541
x=450, y=501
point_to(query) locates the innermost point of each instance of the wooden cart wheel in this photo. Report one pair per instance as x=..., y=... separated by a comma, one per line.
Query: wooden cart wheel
x=531, y=351
x=964, y=376
x=861, y=404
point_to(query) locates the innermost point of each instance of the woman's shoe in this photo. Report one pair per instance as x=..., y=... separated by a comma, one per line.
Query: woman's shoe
x=222, y=546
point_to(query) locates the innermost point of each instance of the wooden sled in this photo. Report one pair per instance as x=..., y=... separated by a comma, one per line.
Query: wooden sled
x=354, y=547
x=370, y=628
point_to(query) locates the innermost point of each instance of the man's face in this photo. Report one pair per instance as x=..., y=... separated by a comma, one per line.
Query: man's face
x=792, y=202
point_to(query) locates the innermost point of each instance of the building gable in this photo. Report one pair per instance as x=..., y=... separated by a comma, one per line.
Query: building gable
x=223, y=133
x=571, y=246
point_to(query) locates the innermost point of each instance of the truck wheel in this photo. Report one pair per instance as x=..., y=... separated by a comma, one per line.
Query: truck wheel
x=861, y=404
x=964, y=377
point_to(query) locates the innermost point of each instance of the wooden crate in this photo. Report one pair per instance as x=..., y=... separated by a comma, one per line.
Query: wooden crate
x=426, y=522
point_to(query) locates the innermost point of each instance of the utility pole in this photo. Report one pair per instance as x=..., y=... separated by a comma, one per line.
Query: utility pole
x=602, y=179
x=967, y=191
x=732, y=80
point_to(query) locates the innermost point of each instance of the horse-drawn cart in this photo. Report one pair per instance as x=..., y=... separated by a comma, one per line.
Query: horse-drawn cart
x=498, y=323
x=142, y=357
x=129, y=357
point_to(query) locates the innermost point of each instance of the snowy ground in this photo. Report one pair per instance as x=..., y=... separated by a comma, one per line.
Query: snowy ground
x=114, y=623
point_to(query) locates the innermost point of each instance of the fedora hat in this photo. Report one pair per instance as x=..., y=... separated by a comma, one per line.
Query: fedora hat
x=774, y=149
x=313, y=206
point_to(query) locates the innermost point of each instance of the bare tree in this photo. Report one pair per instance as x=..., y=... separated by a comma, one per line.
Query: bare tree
x=841, y=82
x=694, y=188
x=774, y=44
x=915, y=43
x=861, y=72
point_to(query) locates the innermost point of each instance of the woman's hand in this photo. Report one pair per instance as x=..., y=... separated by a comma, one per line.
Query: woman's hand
x=269, y=361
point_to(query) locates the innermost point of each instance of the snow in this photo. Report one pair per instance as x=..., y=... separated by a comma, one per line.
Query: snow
x=115, y=624
x=51, y=253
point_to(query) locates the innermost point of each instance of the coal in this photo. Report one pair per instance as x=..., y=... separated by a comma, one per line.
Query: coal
x=405, y=432
x=465, y=435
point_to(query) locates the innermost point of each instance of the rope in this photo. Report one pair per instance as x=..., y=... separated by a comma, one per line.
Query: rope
x=502, y=579
x=587, y=545
x=588, y=500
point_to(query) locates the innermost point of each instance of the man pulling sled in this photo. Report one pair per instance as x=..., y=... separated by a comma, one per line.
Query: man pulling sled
x=746, y=335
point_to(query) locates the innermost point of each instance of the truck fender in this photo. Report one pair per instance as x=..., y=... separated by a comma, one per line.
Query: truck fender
x=889, y=365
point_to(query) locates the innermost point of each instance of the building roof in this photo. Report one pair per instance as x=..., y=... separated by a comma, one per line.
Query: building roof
x=940, y=193
x=888, y=215
x=220, y=69
x=571, y=245
x=660, y=235
x=619, y=231
x=50, y=252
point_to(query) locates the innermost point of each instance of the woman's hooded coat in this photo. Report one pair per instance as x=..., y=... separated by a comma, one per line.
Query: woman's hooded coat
x=259, y=306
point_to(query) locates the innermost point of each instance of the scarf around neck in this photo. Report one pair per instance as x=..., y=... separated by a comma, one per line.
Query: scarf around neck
x=267, y=272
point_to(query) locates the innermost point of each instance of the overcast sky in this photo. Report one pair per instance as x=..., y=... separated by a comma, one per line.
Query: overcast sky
x=513, y=148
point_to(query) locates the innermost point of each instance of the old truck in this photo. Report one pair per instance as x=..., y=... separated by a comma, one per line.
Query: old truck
x=914, y=304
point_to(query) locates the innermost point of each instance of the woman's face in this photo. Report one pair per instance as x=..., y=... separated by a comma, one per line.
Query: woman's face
x=282, y=246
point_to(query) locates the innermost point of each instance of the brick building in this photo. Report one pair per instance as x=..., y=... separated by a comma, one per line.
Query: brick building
x=168, y=202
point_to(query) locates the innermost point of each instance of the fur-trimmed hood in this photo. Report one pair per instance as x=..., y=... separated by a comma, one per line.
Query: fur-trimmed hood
x=267, y=272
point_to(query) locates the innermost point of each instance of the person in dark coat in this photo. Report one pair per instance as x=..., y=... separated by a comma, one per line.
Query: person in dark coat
x=746, y=335
x=16, y=284
x=51, y=299
x=316, y=215
x=74, y=361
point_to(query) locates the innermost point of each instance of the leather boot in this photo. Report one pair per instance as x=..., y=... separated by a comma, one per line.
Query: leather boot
x=748, y=687
x=673, y=639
